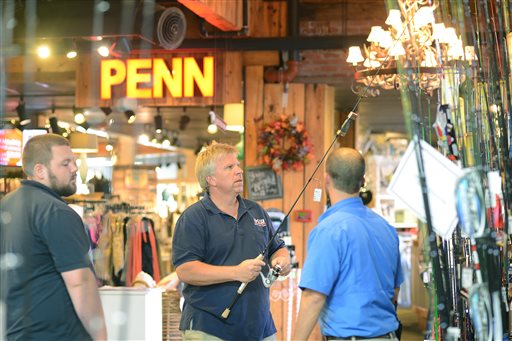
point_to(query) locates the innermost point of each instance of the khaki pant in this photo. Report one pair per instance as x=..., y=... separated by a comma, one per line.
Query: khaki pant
x=196, y=335
x=374, y=339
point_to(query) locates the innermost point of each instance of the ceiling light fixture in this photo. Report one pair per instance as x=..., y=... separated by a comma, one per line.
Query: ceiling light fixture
x=43, y=51
x=158, y=122
x=83, y=143
x=54, y=125
x=22, y=114
x=212, y=127
x=109, y=146
x=166, y=142
x=79, y=115
x=184, y=119
x=234, y=116
x=144, y=138
x=175, y=139
x=103, y=50
x=85, y=125
x=71, y=52
x=106, y=110
x=130, y=116
x=426, y=50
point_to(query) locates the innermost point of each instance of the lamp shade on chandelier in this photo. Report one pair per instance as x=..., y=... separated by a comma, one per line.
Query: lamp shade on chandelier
x=412, y=50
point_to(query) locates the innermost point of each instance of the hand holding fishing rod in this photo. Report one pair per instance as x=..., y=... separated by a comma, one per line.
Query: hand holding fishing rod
x=342, y=132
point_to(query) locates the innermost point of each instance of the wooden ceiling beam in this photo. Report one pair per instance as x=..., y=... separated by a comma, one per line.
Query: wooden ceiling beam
x=225, y=15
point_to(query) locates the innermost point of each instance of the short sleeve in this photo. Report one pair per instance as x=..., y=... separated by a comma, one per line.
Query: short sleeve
x=188, y=243
x=399, y=277
x=67, y=240
x=322, y=263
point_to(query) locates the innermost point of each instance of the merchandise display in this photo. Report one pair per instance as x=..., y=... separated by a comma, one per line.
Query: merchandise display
x=425, y=97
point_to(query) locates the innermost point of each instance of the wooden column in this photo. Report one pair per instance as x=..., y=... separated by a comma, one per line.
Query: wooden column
x=314, y=105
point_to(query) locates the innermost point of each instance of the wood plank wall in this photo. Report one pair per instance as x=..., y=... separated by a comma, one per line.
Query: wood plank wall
x=313, y=104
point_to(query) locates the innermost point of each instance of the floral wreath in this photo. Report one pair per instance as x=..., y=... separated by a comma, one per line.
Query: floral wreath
x=285, y=144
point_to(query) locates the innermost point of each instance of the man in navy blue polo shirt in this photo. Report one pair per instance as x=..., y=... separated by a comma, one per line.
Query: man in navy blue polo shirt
x=215, y=243
x=352, y=272
x=50, y=291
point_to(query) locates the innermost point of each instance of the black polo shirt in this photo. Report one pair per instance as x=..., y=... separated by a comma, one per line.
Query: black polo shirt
x=48, y=238
x=206, y=234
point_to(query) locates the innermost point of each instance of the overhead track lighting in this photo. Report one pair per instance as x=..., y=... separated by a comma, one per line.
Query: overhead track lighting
x=109, y=146
x=158, y=122
x=43, y=51
x=143, y=138
x=212, y=127
x=22, y=114
x=175, y=139
x=166, y=142
x=184, y=119
x=104, y=49
x=106, y=110
x=130, y=116
x=71, y=50
x=54, y=125
x=84, y=125
x=79, y=115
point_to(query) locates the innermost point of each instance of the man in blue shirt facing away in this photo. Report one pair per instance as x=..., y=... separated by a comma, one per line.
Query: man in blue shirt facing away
x=215, y=245
x=352, y=272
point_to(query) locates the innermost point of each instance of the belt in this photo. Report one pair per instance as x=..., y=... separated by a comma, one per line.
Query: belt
x=391, y=335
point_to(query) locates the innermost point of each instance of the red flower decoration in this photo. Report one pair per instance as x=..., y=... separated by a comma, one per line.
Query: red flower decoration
x=285, y=144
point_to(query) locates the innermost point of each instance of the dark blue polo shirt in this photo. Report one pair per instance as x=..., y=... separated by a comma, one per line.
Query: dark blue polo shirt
x=206, y=234
x=49, y=238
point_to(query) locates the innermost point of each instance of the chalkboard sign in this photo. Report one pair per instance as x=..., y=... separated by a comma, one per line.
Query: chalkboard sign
x=263, y=183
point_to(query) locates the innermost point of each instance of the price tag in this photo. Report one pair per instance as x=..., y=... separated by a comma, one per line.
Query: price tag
x=467, y=278
x=317, y=195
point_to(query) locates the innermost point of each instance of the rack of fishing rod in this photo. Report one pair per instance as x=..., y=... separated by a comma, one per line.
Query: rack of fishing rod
x=469, y=274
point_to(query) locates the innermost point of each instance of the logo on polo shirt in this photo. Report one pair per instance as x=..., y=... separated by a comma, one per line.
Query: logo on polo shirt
x=260, y=222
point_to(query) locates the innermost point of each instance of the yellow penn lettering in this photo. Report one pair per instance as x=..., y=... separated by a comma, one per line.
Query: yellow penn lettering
x=204, y=80
x=134, y=77
x=149, y=77
x=172, y=79
x=113, y=72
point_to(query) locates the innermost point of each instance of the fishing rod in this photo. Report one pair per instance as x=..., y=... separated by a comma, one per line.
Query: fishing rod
x=434, y=250
x=352, y=116
x=342, y=132
x=470, y=206
x=500, y=98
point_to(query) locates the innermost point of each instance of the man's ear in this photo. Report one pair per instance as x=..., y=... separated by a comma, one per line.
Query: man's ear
x=327, y=180
x=40, y=171
x=210, y=180
x=363, y=182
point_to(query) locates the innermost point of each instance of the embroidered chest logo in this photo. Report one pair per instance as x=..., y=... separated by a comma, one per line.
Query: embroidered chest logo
x=260, y=222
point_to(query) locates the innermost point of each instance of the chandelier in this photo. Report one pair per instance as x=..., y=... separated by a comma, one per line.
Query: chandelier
x=414, y=50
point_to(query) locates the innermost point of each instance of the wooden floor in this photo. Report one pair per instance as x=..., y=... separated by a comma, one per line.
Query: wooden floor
x=411, y=330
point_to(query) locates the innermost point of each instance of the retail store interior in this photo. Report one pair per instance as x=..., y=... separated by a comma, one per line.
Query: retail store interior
x=140, y=87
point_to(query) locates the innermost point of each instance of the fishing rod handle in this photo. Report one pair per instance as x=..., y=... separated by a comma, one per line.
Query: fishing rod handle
x=242, y=286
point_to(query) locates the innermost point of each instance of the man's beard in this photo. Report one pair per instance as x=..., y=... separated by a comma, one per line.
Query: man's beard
x=62, y=190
